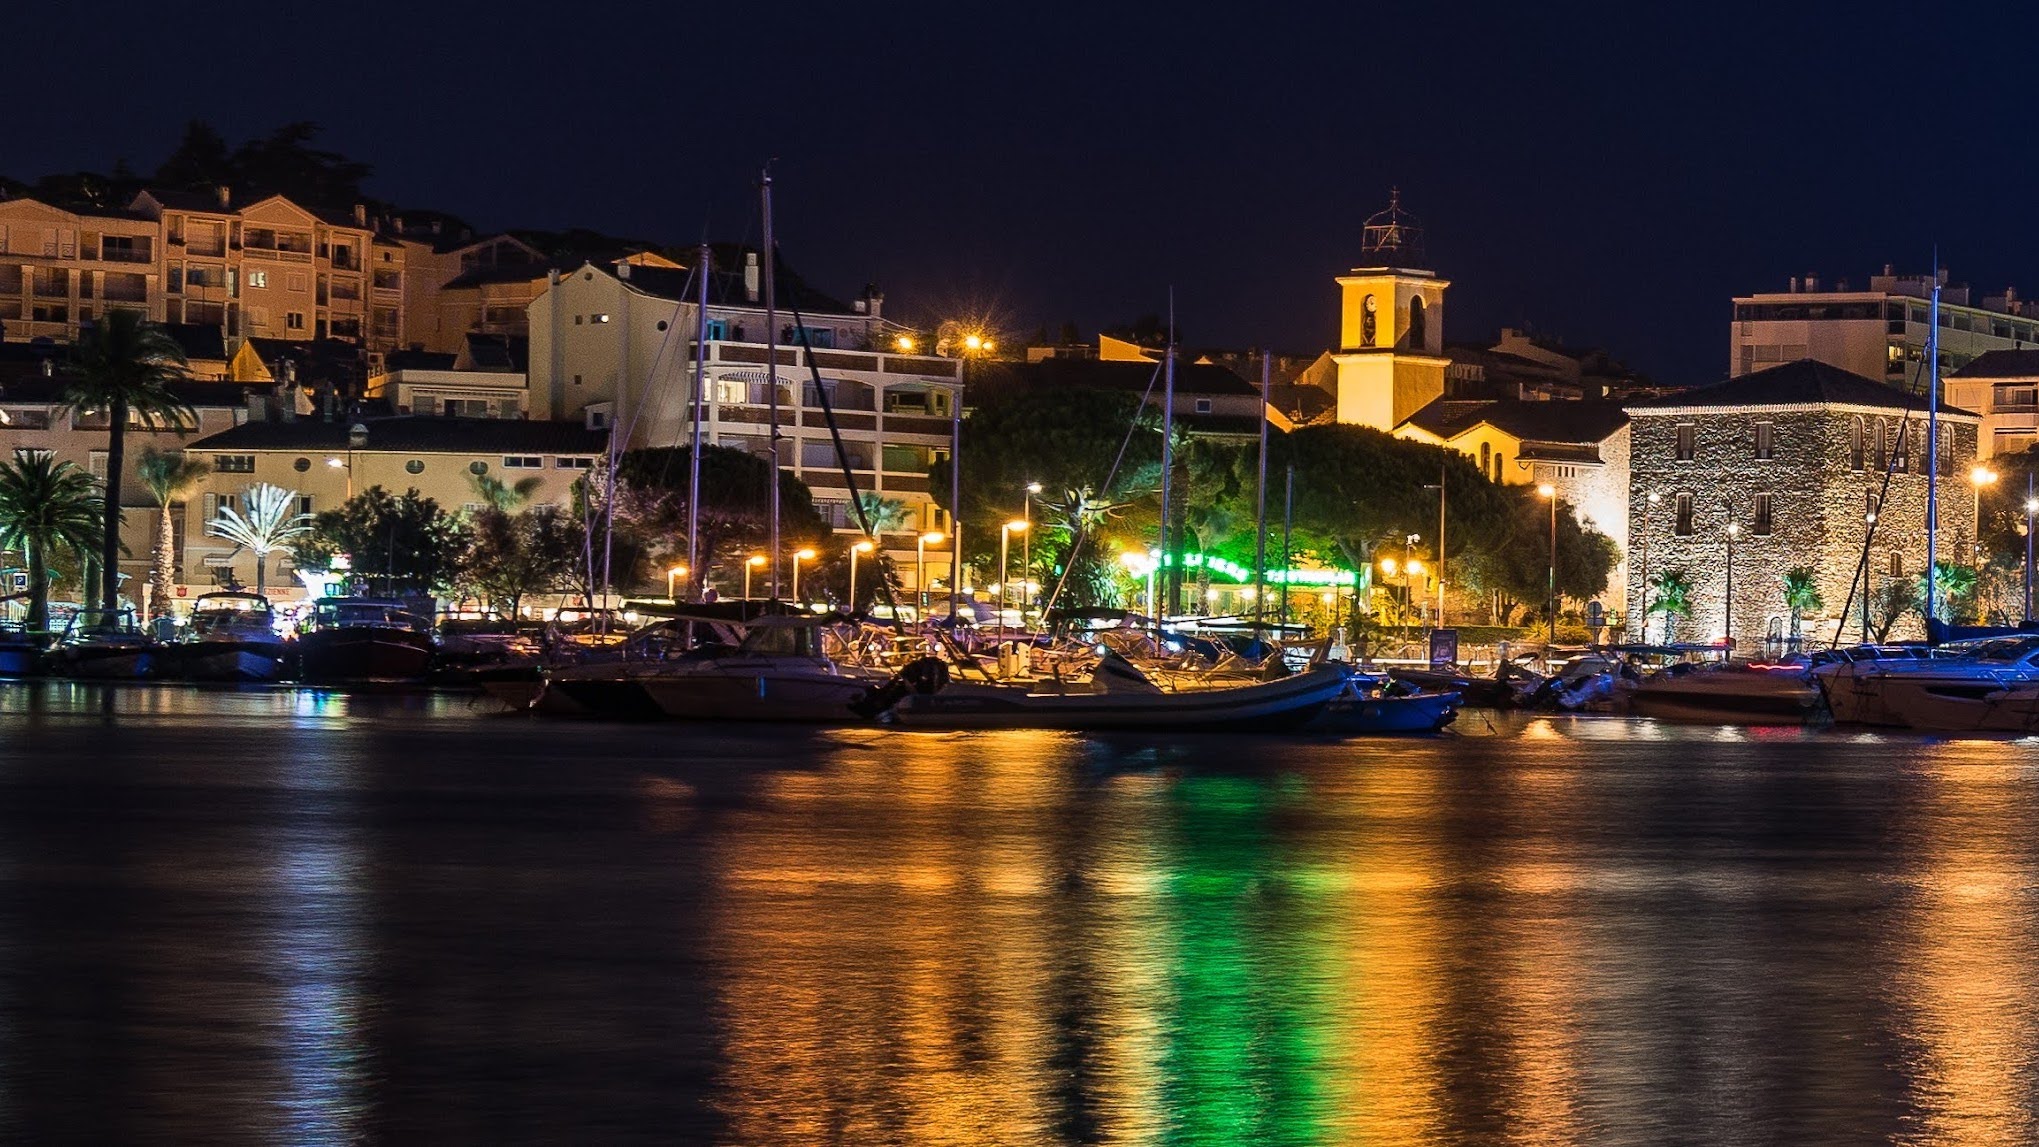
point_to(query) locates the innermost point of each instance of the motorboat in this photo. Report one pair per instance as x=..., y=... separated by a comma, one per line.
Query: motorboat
x=21, y=652
x=1372, y=707
x=1115, y=696
x=1883, y=690
x=2012, y=710
x=364, y=639
x=232, y=638
x=1730, y=693
x=780, y=671
x=104, y=645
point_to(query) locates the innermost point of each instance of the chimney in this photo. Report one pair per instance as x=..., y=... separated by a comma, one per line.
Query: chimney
x=357, y=436
x=1794, y=284
x=875, y=301
x=1888, y=271
x=361, y=215
x=1812, y=284
x=750, y=276
x=623, y=270
x=225, y=195
x=398, y=224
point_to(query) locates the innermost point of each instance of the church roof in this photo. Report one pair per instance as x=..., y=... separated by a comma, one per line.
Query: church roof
x=1579, y=422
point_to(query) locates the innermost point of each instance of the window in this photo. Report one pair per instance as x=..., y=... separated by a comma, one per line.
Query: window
x=293, y=320
x=1761, y=524
x=1683, y=525
x=523, y=462
x=414, y=466
x=1881, y=459
x=1897, y=563
x=258, y=278
x=304, y=504
x=1855, y=444
x=1901, y=455
x=1766, y=438
x=578, y=320
x=1946, y=451
x=301, y=465
x=731, y=390
x=1688, y=441
x=564, y=463
x=477, y=468
x=234, y=463
x=718, y=330
x=598, y=317
x=1203, y=406
x=1486, y=455
x=1870, y=504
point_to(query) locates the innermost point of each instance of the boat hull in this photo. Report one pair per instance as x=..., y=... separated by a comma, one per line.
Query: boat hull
x=1387, y=716
x=1287, y=704
x=1728, y=698
x=20, y=660
x=231, y=660
x=105, y=664
x=363, y=653
x=810, y=697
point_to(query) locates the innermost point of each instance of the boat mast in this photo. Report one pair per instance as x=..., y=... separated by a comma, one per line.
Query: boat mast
x=694, y=570
x=771, y=257
x=1260, y=503
x=1932, y=445
x=1170, y=565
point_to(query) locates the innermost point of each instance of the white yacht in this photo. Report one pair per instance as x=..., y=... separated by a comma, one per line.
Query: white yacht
x=1902, y=691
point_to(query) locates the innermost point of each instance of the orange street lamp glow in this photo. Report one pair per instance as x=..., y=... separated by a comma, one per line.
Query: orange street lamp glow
x=798, y=557
x=863, y=547
x=679, y=571
x=751, y=565
x=904, y=343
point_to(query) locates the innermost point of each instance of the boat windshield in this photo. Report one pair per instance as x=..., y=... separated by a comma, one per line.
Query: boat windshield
x=363, y=613
x=780, y=640
x=2005, y=649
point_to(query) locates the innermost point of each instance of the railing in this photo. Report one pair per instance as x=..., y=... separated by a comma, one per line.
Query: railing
x=121, y=255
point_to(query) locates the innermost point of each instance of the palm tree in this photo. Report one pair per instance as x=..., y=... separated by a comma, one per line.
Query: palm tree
x=45, y=504
x=886, y=515
x=1802, y=596
x=123, y=366
x=1673, y=599
x=169, y=475
x=497, y=494
x=271, y=523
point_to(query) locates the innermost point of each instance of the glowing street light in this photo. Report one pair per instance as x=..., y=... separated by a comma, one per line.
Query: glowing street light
x=920, y=545
x=1978, y=478
x=673, y=573
x=1734, y=530
x=904, y=344
x=863, y=547
x=798, y=557
x=751, y=565
x=1027, y=544
x=348, y=466
x=1005, y=534
x=1550, y=492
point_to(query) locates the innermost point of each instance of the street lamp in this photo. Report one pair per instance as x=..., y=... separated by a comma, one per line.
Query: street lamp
x=1027, y=549
x=1734, y=530
x=1643, y=599
x=904, y=343
x=672, y=574
x=2031, y=507
x=1978, y=478
x=348, y=466
x=1005, y=534
x=1551, y=600
x=920, y=545
x=863, y=547
x=751, y=565
x=798, y=557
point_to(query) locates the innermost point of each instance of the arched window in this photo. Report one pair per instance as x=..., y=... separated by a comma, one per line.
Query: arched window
x=1855, y=444
x=1417, y=328
x=1486, y=456
x=1881, y=458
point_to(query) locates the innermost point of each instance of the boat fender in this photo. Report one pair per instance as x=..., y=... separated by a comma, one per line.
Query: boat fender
x=925, y=675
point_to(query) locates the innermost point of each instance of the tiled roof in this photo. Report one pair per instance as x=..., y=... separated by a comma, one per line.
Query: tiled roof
x=2002, y=364
x=1580, y=422
x=1806, y=382
x=418, y=434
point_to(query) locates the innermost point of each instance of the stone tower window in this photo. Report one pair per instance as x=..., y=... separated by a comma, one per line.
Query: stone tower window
x=1855, y=444
x=1688, y=441
x=1417, y=324
x=1766, y=441
x=1683, y=524
x=1486, y=456
x=1761, y=525
x=1881, y=459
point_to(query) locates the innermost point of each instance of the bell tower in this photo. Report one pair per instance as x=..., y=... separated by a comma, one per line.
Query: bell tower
x=1390, y=353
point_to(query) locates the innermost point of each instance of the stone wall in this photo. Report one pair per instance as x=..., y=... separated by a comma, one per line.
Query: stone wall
x=1818, y=509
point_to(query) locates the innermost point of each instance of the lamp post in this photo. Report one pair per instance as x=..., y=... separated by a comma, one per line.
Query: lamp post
x=1978, y=478
x=1643, y=598
x=1005, y=534
x=2031, y=506
x=348, y=466
x=798, y=557
x=751, y=565
x=1440, y=544
x=920, y=545
x=863, y=547
x=1728, y=612
x=1551, y=599
x=1027, y=550
x=672, y=574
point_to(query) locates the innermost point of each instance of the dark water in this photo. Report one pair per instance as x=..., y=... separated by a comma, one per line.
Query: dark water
x=288, y=917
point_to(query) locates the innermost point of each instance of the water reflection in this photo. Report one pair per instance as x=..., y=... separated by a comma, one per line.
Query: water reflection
x=303, y=917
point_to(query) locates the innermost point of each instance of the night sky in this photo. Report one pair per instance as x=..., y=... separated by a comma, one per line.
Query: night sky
x=1610, y=175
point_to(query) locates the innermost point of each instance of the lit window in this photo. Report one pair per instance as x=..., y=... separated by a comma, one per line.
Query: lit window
x=234, y=463
x=1688, y=441
x=1683, y=526
x=598, y=318
x=1766, y=436
x=258, y=278
x=1762, y=523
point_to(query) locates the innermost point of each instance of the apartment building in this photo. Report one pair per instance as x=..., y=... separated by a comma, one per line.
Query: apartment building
x=59, y=269
x=456, y=284
x=1879, y=332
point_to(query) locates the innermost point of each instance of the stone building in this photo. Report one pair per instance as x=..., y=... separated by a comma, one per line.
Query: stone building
x=1790, y=467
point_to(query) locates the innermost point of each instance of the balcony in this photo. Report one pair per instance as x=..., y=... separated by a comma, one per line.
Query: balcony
x=125, y=255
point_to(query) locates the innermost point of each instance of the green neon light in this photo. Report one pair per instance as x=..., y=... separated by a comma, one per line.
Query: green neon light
x=1240, y=573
